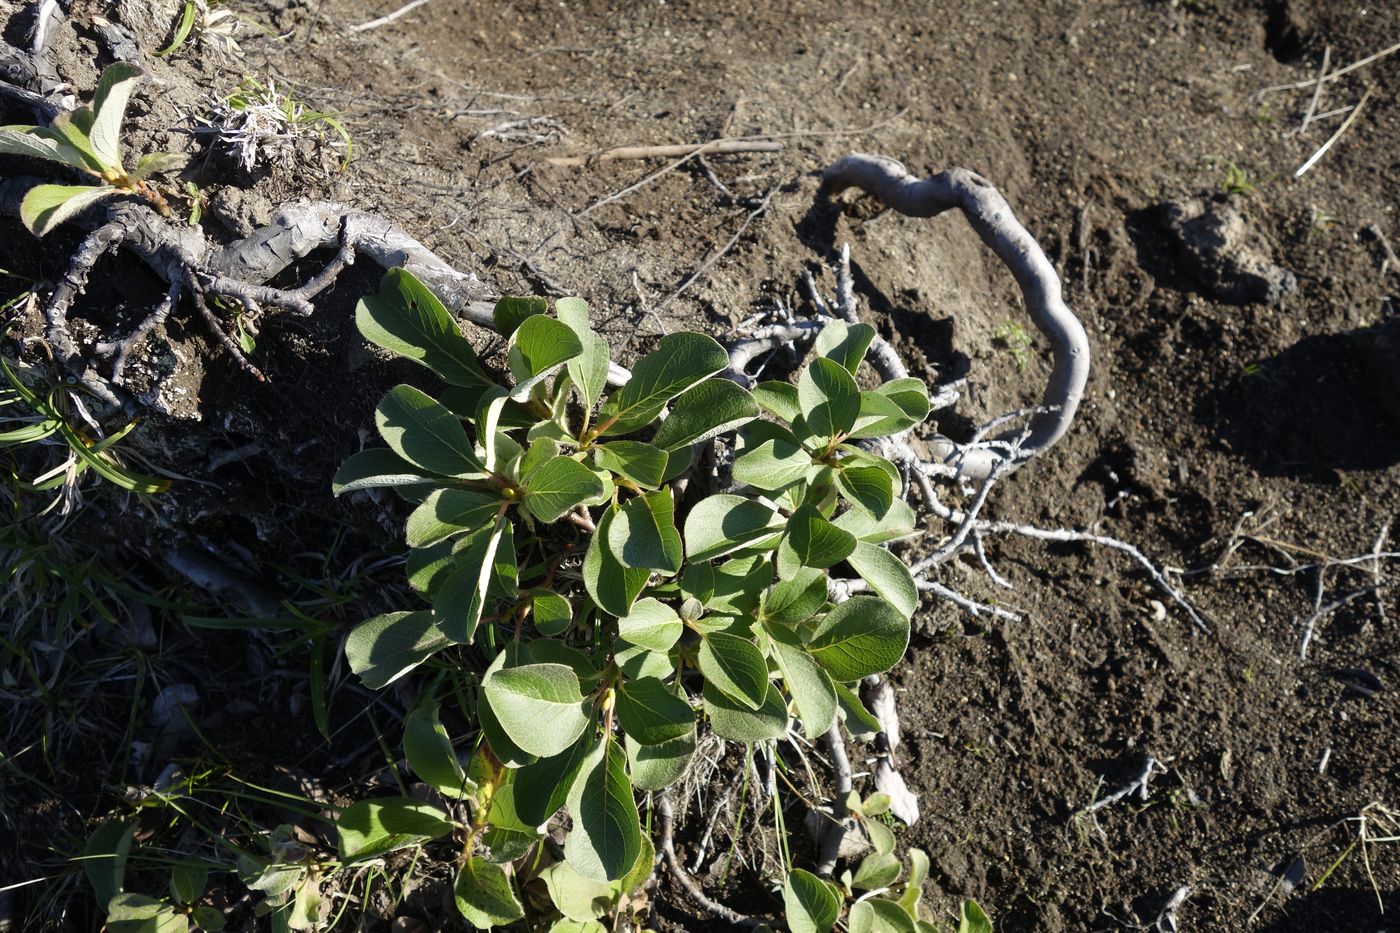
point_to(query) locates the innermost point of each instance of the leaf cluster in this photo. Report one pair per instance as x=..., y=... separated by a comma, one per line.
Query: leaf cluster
x=89, y=140
x=587, y=618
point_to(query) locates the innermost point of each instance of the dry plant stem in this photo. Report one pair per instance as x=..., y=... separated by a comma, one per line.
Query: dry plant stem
x=1346, y=125
x=841, y=764
x=1137, y=785
x=1348, y=69
x=1321, y=612
x=714, y=147
x=389, y=17
x=1065, y=535
x=665, y=819
x=992, y=218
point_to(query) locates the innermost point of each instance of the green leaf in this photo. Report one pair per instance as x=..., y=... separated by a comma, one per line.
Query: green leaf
x=542, y=787
x=430, y=754
x=406, y=318
x=876, y=915
x=845, y=343
x=370, y=828
x=448, y=512
x=773, y=464
x=495, y=445
x=869, y=487
x=723, y=523
x=425, y=433
x=612, y=586
x=484, y=896
x=810, y=904
x=862, y=636
x=46, y=206
x=887, y=576
x=735, y=667
x=704, y=412
x=738, y=584
x=860, y=723
x=378, y=466
x=579, y=899
x=636, y=662
x=655, y=767
x=537, y=349
x=877, y=870
x=972, y=919
x=108, y=108
x=589, y=370
x=507, y=837
x=736, y=722
x=540, y=706
x=40, y=142
x=898, y=522
x=208, y=919
x=539, y=346
x=640, y=872
x=511, y=311
x=651, y=714
x=829, y=398
x=812, y=541
x=679, y=362
x=384, y=648
x=914, y=886
x=810, y=687
x=906, y=403
x=643, y=464
x=140, y=913
x=187, y=882
x=779, y=399
x=651, y=624
x=428, y=567
x=183, y=29
x=461, y=600
x=552, y=612
x=795, y=599
x=158, y=163
x=104, y=857
x=643, y=533
x=606, y=838
x=559, y=485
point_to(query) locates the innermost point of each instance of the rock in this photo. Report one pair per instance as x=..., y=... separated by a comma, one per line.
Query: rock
x=1230, y=261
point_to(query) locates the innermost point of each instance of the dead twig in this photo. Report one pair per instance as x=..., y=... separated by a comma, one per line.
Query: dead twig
x=389, y=17
x=1346, y=125
x=689, y=150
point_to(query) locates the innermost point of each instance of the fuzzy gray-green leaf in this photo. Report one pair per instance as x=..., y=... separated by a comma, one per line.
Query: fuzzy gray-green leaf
x=540, y=706
x=406, y=318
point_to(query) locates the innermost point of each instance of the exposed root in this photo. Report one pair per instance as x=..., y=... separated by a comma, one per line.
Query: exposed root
x=665, y=828
x=836, y=833
x=989, y=214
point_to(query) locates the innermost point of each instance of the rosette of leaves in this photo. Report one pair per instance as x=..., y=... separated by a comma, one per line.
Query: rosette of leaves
x=590, y=620
x=89, y=140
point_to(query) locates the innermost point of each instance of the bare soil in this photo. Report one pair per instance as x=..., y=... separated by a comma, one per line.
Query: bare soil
x=1233, y=443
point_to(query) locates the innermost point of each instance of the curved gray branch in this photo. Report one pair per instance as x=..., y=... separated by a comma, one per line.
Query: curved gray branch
x=989, y=214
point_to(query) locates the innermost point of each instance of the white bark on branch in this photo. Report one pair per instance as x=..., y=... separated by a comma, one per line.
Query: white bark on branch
x=993, y=220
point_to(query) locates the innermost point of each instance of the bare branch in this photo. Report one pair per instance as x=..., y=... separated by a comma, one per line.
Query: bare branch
x=993, y=220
